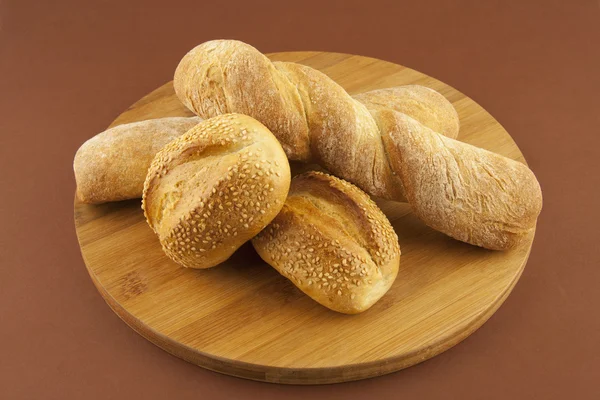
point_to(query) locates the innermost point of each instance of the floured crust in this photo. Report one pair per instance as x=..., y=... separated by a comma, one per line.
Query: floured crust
x=214, y=188
x=212, y=78
x=421, y=103
x=466, y=192
x=344, y=137
x=333, y=243
x=112, y=165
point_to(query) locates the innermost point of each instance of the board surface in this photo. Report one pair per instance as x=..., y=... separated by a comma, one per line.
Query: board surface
x=242, y=318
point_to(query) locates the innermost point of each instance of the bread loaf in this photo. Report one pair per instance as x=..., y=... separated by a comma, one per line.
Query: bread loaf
x=333, y=243
x=214, y=188
x=112, y=165
x=316, y=120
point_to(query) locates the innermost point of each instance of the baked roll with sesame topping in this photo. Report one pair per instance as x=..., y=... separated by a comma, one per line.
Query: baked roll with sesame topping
x=333, y=242
x=214, y=188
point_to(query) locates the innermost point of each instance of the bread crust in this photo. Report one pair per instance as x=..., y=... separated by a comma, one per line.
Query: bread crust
x=214, y=188
x=333, y=243
x=112, y=165
x=421, y=103
x=468, y=193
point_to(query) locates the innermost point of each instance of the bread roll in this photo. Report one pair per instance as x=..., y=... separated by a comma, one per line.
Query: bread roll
x=112, y=165
x=214, y=188
x=333, y=243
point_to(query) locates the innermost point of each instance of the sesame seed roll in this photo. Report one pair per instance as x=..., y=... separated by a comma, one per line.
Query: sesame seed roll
x=333, y=242
x=214, y=188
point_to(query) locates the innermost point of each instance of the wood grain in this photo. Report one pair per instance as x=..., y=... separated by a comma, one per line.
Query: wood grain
x=242, y=318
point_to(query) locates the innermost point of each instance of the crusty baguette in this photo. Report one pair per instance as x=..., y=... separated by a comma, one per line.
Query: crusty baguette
x=112, y=165
x=317, y=121
x=333, y=243
x=214, y=188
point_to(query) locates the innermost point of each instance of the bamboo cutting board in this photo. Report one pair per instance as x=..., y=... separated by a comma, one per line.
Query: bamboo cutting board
x=242, y=318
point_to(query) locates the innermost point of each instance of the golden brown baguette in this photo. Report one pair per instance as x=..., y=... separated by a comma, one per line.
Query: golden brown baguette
x=112, y=165
x=214, y=188
x=333, y=243
x=317, y=121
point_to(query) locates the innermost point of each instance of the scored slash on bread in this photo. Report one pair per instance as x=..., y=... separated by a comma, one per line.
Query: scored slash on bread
x=214, y=188
x=332, y=241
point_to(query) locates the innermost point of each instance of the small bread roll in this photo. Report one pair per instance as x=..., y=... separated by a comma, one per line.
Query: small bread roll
x=333, y=242
x=214, y=188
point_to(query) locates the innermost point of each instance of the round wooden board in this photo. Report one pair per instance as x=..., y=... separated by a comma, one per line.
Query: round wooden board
x=242, y=318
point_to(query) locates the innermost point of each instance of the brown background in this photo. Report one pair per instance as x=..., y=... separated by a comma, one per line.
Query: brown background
x=68, y=68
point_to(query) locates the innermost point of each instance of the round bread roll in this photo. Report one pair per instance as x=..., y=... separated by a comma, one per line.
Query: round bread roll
x=333, y=242
x=214, y=188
